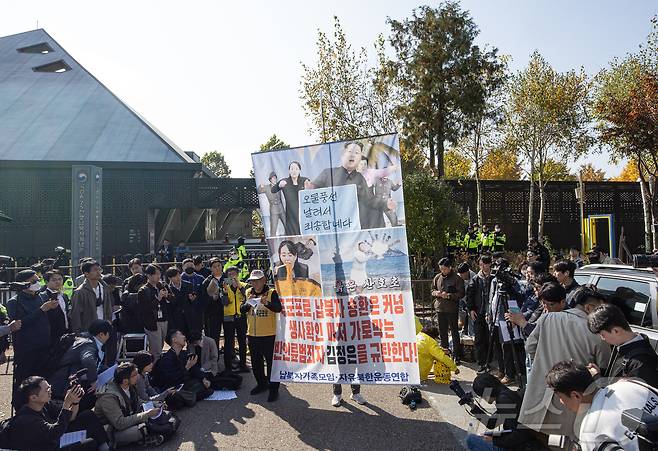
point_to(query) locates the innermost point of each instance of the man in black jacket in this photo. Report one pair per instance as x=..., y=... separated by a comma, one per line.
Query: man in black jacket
x=633, y=354
x=38, y=425
x=211, y=294
x=176, y=367
x=477, y=304
x=448, y=289
x=58, y=318
x=32, y=342
x=87, y=352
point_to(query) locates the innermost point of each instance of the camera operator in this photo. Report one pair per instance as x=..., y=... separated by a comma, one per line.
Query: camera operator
x=87, y=352
x=601, y=427
x=448, y=289
x=632, y=355
x=508, y=405
x=39, y=425
x=508, y=350
x=560, y=336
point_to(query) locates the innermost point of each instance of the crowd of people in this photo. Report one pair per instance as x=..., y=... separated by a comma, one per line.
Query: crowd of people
x=64, y=346
x=541, y=331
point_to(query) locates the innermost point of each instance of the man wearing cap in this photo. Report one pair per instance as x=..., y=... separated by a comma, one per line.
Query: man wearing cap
x=261, y=310
x=32, y=341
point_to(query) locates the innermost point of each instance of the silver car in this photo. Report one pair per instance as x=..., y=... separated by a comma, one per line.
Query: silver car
x=634, y=290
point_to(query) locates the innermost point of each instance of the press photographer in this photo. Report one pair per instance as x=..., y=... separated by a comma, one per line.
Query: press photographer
x=508, y=405
x=602, y=426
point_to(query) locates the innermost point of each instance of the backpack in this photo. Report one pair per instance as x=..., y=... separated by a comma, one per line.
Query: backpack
x=56, y=353
x=410, y=396
x=166, y=424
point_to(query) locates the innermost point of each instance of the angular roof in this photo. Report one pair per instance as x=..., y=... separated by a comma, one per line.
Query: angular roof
x=68, y=115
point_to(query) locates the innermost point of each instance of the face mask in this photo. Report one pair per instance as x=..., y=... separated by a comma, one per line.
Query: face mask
x=36, y=286
x=189, y=270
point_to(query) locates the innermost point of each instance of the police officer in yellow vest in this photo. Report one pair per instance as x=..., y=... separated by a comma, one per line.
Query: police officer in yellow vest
x=242, y=249
x=486, y=239
x=499, y=239
x=472, y=240
x=235, y=324
x=261, y=308
x=235, y=260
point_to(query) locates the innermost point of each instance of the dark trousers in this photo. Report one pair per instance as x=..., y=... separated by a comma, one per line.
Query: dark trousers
x=481, y=343
x=86, y=420
x=212, y=325
x=338, y=389
x=26, y=364
x=262, y=351
x=505, y=356
x=450, y=321
x=232, y=329
x=111, y=348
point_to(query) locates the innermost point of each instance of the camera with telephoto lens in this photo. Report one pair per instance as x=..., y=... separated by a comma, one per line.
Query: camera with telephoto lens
x=644, y=425
x=467, y=399
x=645, y=260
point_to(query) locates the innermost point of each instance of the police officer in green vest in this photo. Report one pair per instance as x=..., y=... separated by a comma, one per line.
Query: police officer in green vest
x=499, y=239
x=241, y=248
x=486, y=239
x=235, y=259
x=472, y=240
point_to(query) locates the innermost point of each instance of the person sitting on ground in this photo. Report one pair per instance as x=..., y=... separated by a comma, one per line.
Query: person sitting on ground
x=39, y=424
x=208, y=354
x=86, y=353
x=175, y=399
x=118, y=406
x=431, y=355
x=633, y=354
x=176, y=367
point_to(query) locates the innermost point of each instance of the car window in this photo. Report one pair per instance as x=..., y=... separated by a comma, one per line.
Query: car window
x=581, y=279
x=629, y=295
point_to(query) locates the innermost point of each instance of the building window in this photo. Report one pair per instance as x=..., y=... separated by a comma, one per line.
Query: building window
x=56, y=66
x=43, y=48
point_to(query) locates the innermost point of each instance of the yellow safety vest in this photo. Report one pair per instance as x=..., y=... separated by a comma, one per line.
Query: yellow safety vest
x=261, y=321
x=235, y=300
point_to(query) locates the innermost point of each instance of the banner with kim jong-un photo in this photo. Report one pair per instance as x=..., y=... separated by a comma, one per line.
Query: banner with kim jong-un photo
x=334, y=219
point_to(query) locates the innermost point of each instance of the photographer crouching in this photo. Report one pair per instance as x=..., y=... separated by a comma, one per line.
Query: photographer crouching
x=512, y=436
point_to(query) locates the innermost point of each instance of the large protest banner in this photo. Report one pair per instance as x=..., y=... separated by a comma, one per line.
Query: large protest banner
x=334, y=220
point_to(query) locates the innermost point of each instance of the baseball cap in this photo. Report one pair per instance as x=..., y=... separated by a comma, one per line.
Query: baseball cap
x=256, y=274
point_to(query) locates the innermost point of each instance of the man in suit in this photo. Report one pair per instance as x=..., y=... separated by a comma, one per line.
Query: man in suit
x=58, y=317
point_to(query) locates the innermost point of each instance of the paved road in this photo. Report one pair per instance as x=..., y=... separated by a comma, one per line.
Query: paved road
x=303, y=418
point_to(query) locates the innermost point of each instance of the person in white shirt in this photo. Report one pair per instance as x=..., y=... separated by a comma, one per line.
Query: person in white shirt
x=598, y=424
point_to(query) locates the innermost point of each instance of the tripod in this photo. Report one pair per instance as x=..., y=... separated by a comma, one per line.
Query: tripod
x=502, y=307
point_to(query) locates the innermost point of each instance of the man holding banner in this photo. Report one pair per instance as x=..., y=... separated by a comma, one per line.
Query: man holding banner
x=346, y=319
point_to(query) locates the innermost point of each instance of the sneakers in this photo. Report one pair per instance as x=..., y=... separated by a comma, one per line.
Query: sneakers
x=336, y=400
x=153, y=440
x=482, y=369
x=258, y=389
x=358, y=398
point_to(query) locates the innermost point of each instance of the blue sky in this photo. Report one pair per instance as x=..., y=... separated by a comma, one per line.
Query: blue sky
x=218, y=75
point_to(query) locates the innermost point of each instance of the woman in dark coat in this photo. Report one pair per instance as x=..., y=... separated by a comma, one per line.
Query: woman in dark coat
x=291, y=186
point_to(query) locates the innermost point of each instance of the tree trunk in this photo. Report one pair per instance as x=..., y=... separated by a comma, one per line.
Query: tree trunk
x=646, y=208
x=652, y=210
x=531, y=201
x=431, y=148
x=540, y=221
x=478, y=186
x=439, y=154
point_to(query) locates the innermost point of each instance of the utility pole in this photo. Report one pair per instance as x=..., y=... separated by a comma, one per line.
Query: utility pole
x=580, y=196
